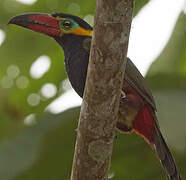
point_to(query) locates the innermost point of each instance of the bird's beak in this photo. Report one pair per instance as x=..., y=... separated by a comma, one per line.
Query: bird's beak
x=43, y=23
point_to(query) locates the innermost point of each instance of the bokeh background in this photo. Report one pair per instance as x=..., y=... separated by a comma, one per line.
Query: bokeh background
x=38, y=108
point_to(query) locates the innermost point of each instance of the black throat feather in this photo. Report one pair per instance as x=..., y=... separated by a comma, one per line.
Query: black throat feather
x=76, y=51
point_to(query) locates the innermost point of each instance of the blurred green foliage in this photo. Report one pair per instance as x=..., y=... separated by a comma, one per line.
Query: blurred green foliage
x=45, y=149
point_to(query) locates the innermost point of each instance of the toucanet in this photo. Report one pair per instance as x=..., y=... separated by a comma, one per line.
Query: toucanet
x=137, y=111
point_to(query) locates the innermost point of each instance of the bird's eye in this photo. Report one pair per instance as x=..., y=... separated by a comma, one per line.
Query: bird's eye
x=66, y=24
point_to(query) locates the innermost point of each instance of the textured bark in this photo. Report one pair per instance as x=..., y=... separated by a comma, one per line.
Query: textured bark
x=99, y=110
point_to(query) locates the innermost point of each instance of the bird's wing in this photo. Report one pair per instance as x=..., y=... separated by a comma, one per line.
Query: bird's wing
x=137, y=81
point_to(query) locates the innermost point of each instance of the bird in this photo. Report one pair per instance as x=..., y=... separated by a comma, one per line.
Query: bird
x=137, y=109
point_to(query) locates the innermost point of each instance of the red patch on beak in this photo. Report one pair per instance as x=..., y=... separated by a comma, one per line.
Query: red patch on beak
x=44, y=24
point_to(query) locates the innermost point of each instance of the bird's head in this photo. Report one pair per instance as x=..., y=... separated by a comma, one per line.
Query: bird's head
x=72, y=33
x=54, y=25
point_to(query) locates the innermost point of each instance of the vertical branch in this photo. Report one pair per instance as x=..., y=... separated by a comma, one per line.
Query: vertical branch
x=99, y=110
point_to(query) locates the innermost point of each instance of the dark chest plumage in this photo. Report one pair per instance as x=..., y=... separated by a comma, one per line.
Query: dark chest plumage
x=76, y=51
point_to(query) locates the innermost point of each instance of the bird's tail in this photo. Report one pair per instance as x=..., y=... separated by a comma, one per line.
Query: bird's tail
x=146, y=125
x=165, y=156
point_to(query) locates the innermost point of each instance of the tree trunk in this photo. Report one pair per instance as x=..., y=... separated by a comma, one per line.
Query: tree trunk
x=99, y=110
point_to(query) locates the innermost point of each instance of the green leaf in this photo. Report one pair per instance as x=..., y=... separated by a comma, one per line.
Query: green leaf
x=45, y=151
x=42, y=151
x=173, y=58
x=138, y=5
